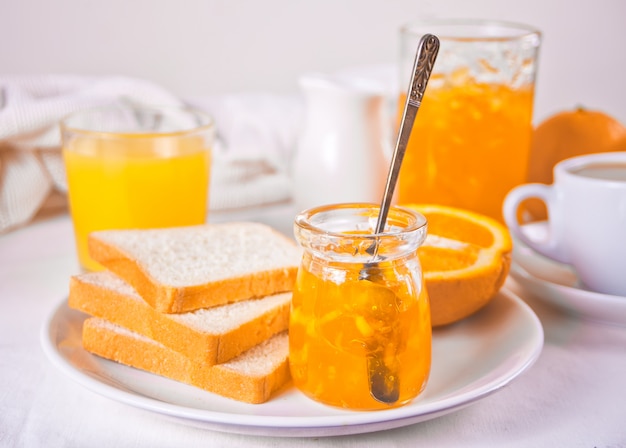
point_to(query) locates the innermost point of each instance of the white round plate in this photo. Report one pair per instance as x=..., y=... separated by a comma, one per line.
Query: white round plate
x=471, y=360
x=558, y=284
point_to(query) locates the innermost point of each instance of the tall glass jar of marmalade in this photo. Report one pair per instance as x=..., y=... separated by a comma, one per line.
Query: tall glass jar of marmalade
x=360, y=333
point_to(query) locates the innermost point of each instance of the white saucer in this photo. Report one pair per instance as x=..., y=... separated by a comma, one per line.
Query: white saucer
x=471, y=360
x=558, y=284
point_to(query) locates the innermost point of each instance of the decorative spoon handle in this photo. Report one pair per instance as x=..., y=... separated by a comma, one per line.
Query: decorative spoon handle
x=427, y=50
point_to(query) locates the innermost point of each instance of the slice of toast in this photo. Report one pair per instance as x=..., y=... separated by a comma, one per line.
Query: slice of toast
x=252, y=377
x=209, y=336
x=187, y=268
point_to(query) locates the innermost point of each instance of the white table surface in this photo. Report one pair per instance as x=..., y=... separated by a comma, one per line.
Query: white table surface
x=573, y=396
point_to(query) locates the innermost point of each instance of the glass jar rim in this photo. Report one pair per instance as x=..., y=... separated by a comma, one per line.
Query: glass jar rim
x=471, y=29
x=416, y=221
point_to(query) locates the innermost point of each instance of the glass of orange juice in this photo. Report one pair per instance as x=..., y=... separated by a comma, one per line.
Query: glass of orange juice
x=471, y=140
x=135, y=166
x=360, y=332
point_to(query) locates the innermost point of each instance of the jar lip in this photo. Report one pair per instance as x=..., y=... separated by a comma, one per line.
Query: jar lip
x=471, y=29
x=415, y=220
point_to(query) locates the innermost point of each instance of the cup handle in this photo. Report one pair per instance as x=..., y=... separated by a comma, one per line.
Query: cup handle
x=552, y=247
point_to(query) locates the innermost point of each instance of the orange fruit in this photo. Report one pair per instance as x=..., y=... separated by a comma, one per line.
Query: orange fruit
x=465, y=259
x=568, y=134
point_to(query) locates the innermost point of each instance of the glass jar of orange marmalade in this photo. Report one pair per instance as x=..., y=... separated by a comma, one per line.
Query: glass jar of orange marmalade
x=360, y=333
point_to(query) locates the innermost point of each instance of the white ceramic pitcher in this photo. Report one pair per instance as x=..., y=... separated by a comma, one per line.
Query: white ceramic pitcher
x=344, y=146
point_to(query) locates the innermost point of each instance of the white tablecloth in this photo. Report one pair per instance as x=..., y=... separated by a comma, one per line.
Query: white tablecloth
x=573, y=396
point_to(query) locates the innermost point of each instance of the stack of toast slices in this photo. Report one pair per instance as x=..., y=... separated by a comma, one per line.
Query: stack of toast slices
x=205, y=305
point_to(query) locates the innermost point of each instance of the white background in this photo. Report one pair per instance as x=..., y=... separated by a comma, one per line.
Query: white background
x=206, y=47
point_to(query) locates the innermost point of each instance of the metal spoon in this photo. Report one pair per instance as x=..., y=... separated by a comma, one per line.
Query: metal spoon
x=383, y=378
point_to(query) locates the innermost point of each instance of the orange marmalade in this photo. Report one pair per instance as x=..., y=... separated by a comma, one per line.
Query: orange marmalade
x=469, y=146
x=360, y=333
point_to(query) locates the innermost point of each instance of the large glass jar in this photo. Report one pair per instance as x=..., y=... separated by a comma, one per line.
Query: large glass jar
x=360, y=333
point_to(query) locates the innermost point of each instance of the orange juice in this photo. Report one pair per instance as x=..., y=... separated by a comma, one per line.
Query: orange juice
x=356, y=326
x=135, y=181
x=469, y=146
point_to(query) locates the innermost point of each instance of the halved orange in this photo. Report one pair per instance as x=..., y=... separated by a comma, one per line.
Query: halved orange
x=465, y=259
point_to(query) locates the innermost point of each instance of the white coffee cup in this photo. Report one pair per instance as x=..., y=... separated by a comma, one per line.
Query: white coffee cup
x=586, y=218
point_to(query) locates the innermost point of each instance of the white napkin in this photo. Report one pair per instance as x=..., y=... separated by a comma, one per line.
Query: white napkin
x=250, y=161
x=257, y=136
